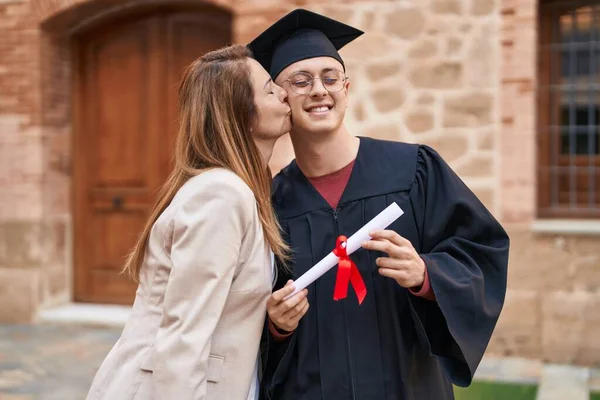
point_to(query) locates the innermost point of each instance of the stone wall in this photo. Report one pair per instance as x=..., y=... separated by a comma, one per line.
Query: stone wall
x=427, y=72
x=33, y=232
x=552, y=309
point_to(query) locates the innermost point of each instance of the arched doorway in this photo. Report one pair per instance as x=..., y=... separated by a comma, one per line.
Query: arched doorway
x=125, y=79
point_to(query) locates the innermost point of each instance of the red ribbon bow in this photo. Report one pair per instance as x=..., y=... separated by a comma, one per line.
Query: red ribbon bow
x=347, y=273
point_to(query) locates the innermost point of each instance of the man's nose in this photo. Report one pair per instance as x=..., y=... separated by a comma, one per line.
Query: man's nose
x=318, y=89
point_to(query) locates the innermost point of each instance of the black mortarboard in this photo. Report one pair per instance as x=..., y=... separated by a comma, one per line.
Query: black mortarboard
x=299, y=35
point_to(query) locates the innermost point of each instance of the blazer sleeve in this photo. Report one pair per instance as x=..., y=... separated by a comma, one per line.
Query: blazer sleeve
x=207, y=234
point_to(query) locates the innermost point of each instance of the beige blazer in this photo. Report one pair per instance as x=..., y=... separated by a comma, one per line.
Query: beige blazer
x=195, y=326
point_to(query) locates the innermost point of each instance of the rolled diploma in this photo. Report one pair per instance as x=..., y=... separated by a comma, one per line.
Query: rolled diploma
x=381, y=221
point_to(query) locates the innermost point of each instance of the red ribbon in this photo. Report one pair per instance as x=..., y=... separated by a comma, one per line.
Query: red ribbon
x=347, y=273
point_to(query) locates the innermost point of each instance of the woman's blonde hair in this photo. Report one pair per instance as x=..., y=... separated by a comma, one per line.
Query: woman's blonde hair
x=217, y=110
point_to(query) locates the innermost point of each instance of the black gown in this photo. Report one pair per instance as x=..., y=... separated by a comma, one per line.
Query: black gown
x=394, y=345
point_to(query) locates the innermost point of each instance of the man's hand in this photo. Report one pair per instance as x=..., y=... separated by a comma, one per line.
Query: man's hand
x=403, y=264
x=286, y=314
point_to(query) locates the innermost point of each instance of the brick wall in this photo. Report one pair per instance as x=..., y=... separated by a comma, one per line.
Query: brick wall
x=21, y=168
x=552, y=310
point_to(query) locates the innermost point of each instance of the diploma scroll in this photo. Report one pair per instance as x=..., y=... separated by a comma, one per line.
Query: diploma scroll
x=381, y=221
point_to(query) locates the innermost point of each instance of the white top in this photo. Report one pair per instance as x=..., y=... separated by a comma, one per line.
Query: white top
x=253, y=393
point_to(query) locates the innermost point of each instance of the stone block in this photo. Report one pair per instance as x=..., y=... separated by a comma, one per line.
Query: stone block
x=405, y=23
x=56, y=187
x=359, y=112
x=20, y=244
x=563, y=322
x=453, y=46
x=425, y=99
x=447, y=7
x=485, y=139
x=538, y=262
x=469, y=109
x=483, y=7
x=561, y=382
x=388, y=99
x=419, y=121
x=379, y=71
x=518, y=332
x=376, y=44
x=486, y=196
x=481, y=71
x=450, y=146
x=594, y=382
x=586, y=271
x=478, y=166
x=342, y=14
x=252, y=20
x=589, y=354
x=385, y=132
x=509, y=369
x=438, y=27
x=439, y=75
x=30, y=244
x=19, y=295
x=54, y=283
x=368, y=21
x=424, y=48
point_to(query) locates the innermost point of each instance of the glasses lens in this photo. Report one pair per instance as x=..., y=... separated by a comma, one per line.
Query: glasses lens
x=301, y=83
x=333, y=81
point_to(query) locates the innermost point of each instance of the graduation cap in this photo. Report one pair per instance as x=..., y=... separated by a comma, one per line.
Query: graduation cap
x=299, y=35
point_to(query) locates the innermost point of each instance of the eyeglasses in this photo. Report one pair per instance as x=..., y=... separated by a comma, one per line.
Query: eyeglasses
x=302, y=82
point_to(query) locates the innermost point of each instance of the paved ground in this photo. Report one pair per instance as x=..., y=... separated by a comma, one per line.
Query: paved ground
x=58, y=362
x=51, y=362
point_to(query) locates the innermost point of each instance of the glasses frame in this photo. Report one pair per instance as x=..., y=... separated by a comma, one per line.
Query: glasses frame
x=313, y=79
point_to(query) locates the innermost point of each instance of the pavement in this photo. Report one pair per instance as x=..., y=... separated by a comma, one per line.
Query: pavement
x=51, y=361
x=57, y=361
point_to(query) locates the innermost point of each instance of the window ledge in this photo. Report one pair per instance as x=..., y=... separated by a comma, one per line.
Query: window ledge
x=567, y=226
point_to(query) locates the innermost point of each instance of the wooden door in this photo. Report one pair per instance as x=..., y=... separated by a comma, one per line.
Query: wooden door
x=125, y=122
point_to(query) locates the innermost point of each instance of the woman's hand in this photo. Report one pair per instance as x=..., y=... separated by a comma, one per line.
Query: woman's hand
x=286, y=314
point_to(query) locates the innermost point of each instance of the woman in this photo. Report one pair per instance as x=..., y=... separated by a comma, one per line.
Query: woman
x=203, y=260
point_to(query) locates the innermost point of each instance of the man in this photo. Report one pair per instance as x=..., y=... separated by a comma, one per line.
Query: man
x=435, y=280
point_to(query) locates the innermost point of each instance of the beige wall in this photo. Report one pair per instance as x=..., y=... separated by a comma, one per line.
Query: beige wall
x=456, y=74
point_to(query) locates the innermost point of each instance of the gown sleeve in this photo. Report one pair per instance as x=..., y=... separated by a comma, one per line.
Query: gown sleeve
x=466, y=253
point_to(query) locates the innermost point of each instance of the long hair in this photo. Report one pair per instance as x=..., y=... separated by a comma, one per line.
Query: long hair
x=216, y=111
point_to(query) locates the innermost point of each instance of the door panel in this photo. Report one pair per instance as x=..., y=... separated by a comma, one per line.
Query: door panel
x=125, y=124
x=189, y=36
x=120, y=62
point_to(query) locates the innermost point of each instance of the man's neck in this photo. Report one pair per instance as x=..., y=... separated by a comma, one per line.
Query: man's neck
x=322, y=155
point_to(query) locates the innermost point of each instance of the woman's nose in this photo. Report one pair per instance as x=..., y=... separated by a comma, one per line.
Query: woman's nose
x=283, y=95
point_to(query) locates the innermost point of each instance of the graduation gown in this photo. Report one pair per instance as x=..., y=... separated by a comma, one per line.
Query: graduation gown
x=394, y=345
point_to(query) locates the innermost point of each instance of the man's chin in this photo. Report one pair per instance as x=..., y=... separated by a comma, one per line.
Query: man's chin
x=317, y=128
